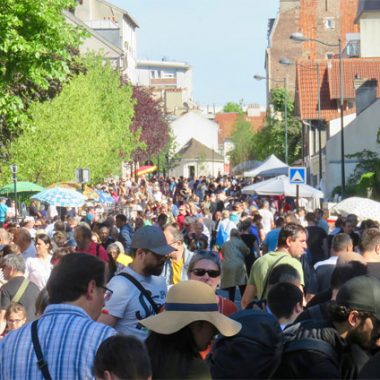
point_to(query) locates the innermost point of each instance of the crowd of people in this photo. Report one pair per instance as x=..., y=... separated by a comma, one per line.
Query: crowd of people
x=188, y=278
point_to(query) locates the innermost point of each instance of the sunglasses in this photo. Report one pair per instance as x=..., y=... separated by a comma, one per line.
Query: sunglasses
x=206, y=252
x=107, y=293
x=201, y=272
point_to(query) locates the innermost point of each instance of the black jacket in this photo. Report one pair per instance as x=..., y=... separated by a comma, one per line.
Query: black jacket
x=319, y=355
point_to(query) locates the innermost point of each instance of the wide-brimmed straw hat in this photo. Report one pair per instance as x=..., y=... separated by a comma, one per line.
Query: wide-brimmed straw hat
x=187, y=302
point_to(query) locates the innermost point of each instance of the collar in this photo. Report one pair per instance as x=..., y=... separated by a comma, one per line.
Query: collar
x=64, y=308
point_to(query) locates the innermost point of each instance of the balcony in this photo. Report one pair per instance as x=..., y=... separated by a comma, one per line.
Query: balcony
x=163, y=82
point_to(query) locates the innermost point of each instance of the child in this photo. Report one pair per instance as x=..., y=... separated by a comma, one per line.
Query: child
x=15, y=316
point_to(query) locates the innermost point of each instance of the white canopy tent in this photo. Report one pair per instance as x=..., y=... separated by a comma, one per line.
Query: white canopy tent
x=281, y=186
x=272, y=166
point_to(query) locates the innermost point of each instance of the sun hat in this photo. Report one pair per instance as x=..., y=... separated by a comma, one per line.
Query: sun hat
x=361, y=293
x=152, y=239
x=187, y=302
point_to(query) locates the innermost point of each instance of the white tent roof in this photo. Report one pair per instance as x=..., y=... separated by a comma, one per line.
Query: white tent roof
x=270, y=164
x=281, y=186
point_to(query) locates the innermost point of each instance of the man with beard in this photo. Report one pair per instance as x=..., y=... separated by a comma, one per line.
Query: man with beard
x=139, y=291
x=356, y=316
x=338, y=347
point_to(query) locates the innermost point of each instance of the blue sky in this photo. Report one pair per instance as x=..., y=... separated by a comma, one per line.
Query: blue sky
x=223, y=40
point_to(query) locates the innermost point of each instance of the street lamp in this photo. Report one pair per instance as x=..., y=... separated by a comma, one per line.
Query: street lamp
x=284, y=82
x=286, y=61
x=299, y=37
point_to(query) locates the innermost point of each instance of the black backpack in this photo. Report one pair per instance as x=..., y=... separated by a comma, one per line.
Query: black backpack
x=254, y=353
x=310, y=350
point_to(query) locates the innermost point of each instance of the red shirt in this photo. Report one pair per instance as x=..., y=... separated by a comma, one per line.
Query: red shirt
x=94, y=251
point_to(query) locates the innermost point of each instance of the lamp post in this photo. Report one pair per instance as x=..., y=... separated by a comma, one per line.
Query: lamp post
x=14, y=177
x=288, y=62
x=260, y=77
x=299, y=37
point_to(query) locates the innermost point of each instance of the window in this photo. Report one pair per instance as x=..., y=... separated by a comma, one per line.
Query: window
x=166, y=74
x=329, y=23
x=330, y=55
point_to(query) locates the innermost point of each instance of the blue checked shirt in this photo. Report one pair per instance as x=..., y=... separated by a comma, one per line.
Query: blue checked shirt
x=69, y=339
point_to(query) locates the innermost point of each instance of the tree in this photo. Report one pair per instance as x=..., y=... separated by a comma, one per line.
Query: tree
x=271, y=139
x=242, y=137
x=150, y=120
x=365, y=179
x=233, y=107
x=36, y=57
x=86, y=125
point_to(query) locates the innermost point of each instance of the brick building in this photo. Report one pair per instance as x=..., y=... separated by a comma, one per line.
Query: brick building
x=326, y=20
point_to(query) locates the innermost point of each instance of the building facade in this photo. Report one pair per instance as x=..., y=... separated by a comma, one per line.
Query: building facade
x=170, y=81
x=114, y=25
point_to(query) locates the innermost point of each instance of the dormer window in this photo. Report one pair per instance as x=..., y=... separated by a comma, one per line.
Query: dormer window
x=329, y=23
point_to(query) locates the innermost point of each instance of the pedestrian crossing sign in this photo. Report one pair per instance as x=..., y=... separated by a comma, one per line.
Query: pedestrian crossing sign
x=297, y=175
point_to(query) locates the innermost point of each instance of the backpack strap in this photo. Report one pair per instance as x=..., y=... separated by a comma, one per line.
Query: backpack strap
x=310, y=344
x=42, y=364
x=315, y=312
x=97, y=250
x=20, y=291
x=268, y=275
x=138, y=285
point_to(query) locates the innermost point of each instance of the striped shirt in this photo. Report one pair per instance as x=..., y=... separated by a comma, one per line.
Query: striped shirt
x=69, y=339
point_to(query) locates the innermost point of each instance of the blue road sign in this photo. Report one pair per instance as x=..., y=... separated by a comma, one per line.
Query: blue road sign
x=297, y=175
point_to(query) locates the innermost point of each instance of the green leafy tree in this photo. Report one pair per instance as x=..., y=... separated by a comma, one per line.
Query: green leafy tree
x=365, y=179
x=86, y=125
x=37, y=49
x=271, y=139
x=242, y=137
x=233, y=107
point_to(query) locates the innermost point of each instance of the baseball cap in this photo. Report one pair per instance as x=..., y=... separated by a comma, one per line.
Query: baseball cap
x=361, y=293
x=153, y=239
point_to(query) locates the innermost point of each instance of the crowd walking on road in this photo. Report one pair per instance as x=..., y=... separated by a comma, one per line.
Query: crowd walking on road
x=188, y=279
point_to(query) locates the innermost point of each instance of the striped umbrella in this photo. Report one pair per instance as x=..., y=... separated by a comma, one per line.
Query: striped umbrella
x=59, y=196
x=104, y=197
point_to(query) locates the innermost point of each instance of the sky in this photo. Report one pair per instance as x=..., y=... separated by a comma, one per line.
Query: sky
x=223, y=40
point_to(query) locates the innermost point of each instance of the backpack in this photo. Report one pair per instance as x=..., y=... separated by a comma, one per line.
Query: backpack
x=221, y=236
x=306, y=354
x=254, y=353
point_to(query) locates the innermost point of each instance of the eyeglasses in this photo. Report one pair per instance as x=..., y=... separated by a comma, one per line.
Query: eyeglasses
x=107, y=293
x=201, y=272
x=157, y=256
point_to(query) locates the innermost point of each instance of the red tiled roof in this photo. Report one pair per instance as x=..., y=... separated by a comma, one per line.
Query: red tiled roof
x=307, y=86
x=362, y=68
x=307, y=95
x=226, y=122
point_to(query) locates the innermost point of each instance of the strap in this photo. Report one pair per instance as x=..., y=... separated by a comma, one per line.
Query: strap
x=315, y=312
x=311, y=345
x=138, y=285
x=21, y=290
x=268, y=275
x=42, y=365
x=97, y=250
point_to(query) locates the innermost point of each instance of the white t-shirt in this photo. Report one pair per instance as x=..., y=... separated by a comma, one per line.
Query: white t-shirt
x=38, y=270
x=267, y=219
x=130, y=306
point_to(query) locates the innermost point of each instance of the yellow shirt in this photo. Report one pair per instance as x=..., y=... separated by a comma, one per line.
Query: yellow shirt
x=177, y=271
x=124, y=259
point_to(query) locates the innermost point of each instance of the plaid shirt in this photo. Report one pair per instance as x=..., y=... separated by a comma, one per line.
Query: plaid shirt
x=69, y=339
